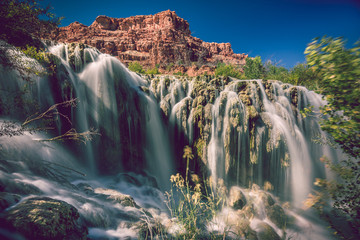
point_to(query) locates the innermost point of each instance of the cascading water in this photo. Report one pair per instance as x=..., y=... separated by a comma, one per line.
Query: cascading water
x=106, y=90
x=256, y=134
x=242, y=133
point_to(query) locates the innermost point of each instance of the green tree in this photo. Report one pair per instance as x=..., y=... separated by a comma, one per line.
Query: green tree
x=274, y=72
x=302, y=74
x=227, y=70
x=23, y=21
x=254, y=69
x=339, y=70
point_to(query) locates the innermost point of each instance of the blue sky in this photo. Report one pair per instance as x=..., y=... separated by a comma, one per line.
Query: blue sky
x=276, y=30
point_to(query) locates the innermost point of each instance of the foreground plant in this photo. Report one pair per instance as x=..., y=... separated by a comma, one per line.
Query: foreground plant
x=192, y=203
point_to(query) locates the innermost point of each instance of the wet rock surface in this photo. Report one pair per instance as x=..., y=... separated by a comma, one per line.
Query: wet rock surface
x=8, y=199
x=45, y=218
x=236, y=199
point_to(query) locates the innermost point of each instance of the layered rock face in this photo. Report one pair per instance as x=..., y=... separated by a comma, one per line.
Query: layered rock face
x=163, y=38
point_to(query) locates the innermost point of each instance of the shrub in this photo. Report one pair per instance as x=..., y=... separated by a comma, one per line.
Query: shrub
x=227, y=70
x=136, y=67
x=275, y=72
x=339, y=69
x=169, y=67
x=254, y=69
x=154, y=70
x=35, y=53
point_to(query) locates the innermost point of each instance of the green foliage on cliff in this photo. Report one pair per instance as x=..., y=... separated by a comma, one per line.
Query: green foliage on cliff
x=35, y=53
x=22, y=21
x=275, y=72
x=154, y=70
x=136, y=67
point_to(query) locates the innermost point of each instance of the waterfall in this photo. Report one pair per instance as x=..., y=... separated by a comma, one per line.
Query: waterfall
x=248, y=134
x=254, y=132
x=112, y=100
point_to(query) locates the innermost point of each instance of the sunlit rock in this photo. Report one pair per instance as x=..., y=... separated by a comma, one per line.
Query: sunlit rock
x=46, y=218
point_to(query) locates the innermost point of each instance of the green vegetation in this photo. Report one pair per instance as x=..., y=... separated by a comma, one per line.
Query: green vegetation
x=227, y=71
x=339, y=70
x=300, y=74
x=154, y=70
x=22, y=21
x=35, y=53
x=136, y=67
x=169, y=67
x=254, y=69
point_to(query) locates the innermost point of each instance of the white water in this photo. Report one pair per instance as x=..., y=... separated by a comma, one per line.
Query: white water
x=280, y=148
x=96, y=86
x=275, y=148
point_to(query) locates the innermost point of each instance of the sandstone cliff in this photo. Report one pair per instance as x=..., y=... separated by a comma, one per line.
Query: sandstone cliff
x=162, y=39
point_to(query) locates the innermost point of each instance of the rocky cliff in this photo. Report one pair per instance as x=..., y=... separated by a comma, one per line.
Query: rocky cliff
x=163, y=38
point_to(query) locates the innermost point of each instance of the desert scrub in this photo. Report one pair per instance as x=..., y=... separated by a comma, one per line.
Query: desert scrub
x=192, y=202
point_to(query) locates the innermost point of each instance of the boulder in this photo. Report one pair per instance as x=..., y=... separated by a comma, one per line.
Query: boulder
x=277, y=215
x=236, y=199
x=118, y=197
x=45, y=218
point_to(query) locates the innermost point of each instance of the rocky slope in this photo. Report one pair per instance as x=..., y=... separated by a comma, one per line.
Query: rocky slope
x=163, y=38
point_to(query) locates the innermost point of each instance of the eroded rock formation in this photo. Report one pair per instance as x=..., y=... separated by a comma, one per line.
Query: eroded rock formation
x=163, y=38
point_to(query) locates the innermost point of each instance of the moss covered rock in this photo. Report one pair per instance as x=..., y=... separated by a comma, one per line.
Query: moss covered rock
x=277, y=215
x=45, y=218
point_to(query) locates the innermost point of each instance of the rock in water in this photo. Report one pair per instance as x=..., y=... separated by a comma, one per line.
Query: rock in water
x=236, y=199
x=266, y=232
x=123, y=199
x=45, y=218
x=8, y=199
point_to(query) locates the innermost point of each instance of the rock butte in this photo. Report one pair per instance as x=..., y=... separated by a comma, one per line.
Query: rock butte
x=163, y=38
